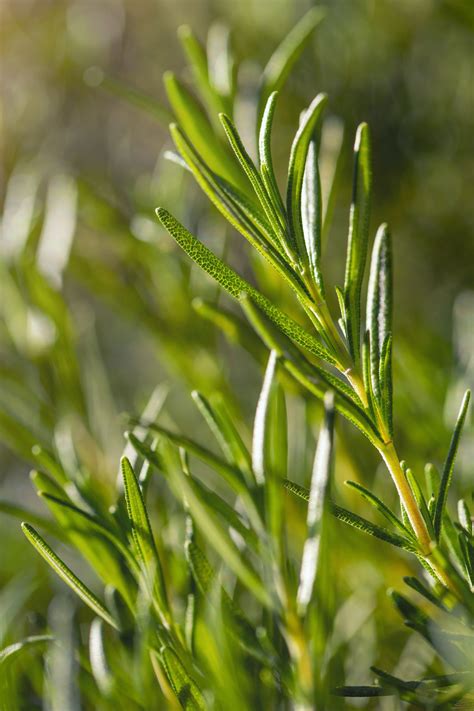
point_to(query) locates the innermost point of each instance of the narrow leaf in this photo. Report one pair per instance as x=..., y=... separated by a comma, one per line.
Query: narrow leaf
x=67, y=575
x=185, y=688
x=358, y=238
x=316, y=507
x=311, y=214
x=379, y=301
x=449, y=467
x=196, y=125
x=296, y=172
x=237, y=287
x=372, y=529
x=286, y=54
x=380, y=506
x=143, y=540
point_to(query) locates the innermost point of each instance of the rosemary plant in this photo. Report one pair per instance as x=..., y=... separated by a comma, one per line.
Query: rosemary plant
x=252, y=623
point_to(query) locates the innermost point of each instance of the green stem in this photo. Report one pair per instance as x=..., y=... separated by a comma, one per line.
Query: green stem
x=390, y=457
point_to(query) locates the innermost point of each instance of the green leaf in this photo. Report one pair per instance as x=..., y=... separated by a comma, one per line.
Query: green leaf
x=358, y=239
x=425, y=592
x=380, y=506
x=296, y=173
x=196, y=125
x=379, y=302
x=143, y=540
x=272, y=214
x=286, y=54
x=237, y=287
x=386, y=385
x=242, y=212
x=265, y=154
x=296, y=489
x=67, y=575
x=449, y=467
x=90, y=522
x=196, y=56
x=372, y=529
x=317, y=507
x=311, y=214
x=185, y=688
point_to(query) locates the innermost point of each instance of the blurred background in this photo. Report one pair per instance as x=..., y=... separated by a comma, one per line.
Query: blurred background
x=96, y=301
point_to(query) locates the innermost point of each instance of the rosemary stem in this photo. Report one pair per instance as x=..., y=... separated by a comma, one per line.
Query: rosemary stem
x=405, y=493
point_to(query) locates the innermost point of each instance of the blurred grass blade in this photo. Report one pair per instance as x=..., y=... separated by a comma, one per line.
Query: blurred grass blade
x=197, y=59
x=296, y=172
x=237, y=287
x=101, y=672
x=320, y=481
x=212, y=530
x=358, y=238
x=135, y=98
x=7, y=654
x=225, y=432
x=142, y=536
x=259, y=443
x=286, y=54
x=67, y=575
x=447, y=474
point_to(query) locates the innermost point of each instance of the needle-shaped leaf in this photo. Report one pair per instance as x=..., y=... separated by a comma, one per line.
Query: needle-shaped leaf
x=197, y=58
x=67, y=575
x=85, y=519
x=273, y=216
x=311, y=214
x=379, y=301
x=286, y=54
x=358, y=238
x=185, y=688
x=380, y=506
x=241, y=211
x=142, y=536
x=296, y=173
x=424, y=591
x=447, y=473
x=196, y=125
x=386, y=385
x=356, y=521
x=265, y=154
x=237, y=287
x=317, y=507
